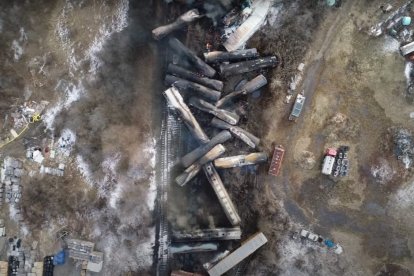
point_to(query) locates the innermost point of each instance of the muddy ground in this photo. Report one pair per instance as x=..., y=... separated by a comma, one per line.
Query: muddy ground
x=360, y=81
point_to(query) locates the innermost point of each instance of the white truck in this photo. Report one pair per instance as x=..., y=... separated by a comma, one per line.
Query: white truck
x=329, y=161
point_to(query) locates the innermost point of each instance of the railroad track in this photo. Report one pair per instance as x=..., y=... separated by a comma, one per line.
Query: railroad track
x=241, y=268
x=168, y=150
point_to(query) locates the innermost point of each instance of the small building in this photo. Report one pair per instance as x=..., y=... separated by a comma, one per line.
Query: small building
x=297, y=107
x=95, y=261
x=83, y=251
x=3, y=268
x=80, y=250
x=37, y=269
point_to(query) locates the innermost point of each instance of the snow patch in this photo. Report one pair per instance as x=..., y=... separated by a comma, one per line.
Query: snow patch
x=382, y=172
x=407, y=72
x=109, y=166
x=390, y=45
x=114, y=252
x=24, y=230
x=152, y=190
x=14, y=213
x=85, y=170
x=66, y=142
x=115, y=196
x=404, y=198
x=145, y=250
x=70, y=94
x=118, y=22
x=306, y=252
x=38, y=156
x=17, y=50
x=23, y=35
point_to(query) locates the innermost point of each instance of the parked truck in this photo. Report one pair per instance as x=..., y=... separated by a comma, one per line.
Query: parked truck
x=329, y=161
x=297, y=107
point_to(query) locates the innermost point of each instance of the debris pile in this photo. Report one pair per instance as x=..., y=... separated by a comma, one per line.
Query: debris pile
x=393, y=24
x=53, y=171
x=19, y=119
x=16, y=257
x=382, y=172
x=212, y=102
x=195, y=89
x=399, y=26
x=404, y=146
x=50, y=155
x=294, y=82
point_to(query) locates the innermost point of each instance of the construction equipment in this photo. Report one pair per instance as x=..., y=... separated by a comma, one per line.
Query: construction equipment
x=35, y=118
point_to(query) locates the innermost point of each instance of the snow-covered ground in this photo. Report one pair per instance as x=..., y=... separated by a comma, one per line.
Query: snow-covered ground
x=132, y=217
x=390, y=45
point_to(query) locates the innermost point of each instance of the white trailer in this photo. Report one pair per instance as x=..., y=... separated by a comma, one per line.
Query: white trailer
x=248, y=248
x=328, y=164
